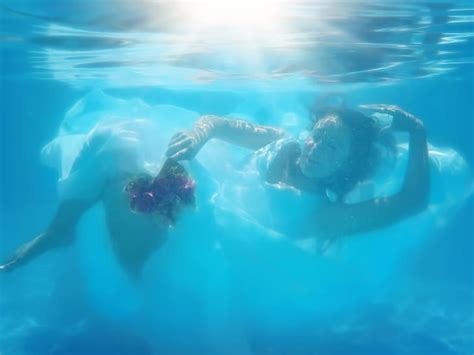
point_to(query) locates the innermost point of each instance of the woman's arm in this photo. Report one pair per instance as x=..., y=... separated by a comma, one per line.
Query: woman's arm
x=344, y=219
x=185, y=145
x=59, y=233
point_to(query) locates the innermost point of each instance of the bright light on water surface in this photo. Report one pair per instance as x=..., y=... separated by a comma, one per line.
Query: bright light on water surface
x=241, y=17
x=240, y=45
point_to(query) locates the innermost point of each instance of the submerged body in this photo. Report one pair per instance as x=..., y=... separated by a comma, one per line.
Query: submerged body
x=113, y=148
x=338, y=154
x=110, y=158
x=112, y=154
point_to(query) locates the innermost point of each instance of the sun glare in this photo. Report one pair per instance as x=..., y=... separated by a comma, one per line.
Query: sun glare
x=239, y=16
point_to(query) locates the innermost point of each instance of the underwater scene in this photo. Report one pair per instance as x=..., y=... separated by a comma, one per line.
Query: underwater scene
x=210, y=177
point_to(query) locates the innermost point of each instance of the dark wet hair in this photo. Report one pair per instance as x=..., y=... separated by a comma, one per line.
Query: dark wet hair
x=367, y=140
x=161, y=194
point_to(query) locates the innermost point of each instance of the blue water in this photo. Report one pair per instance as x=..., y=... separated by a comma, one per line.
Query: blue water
x=417, y=55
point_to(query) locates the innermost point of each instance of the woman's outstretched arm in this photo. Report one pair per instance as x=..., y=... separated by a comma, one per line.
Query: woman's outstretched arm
x=59, y=233
x=185, y=145
x=341, y=219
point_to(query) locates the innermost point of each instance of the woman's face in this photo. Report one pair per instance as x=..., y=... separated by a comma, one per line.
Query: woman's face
x=326, y=149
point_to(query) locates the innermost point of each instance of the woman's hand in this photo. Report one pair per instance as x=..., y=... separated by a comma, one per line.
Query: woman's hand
x=402, y=120
x=6, y=267
x=12, y=262
x=185, y=145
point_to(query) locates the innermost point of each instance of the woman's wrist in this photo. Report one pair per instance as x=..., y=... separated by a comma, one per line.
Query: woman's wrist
x=205, y=128
x=12, y=263
x=406, y=122
x=417, y=126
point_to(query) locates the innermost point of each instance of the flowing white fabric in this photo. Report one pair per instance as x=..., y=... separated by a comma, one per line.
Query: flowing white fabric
x=244, y=227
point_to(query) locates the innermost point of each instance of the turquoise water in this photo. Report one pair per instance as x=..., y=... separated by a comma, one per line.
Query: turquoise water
x=246, y=294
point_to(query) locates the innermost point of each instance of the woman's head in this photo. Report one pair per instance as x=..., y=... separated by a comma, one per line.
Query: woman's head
x=326, y=149
x=340, y=150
